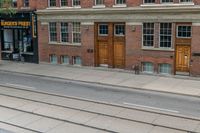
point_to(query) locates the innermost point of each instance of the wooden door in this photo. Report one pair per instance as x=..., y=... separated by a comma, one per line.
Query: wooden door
x=182, y=58
x=103, y=53
x=119, y=55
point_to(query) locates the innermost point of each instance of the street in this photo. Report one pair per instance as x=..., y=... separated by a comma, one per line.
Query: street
x=179, y=104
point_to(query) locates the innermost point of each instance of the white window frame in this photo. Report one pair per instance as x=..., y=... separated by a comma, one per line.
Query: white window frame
x=145, y=70
x=161, y=1
x=119, y=34
x=64, y=6
x=186, y=1
x=61, y=32
x=183, y=37
x=50, y=59
x=49, y=4
x=50, y=32
x=120, y=4
x=149, y=3
x=74, y=58
x=169, y=69
x=76, y=32
x=143, y=36
x=99, y=30
x=171, y=36
x=78, y=6
x=61, y=59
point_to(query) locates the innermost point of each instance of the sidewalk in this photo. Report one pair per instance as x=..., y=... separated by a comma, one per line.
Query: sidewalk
x=171, y=84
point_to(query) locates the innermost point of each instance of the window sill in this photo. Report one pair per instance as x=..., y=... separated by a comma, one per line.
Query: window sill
x=64, y=44
x=120, y=5
x=99, y=6
x=168, y=4
x=158, y=49
x=76, y=7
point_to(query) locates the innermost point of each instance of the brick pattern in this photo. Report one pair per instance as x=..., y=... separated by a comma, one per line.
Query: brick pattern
x=134, y=53
x=195, y=60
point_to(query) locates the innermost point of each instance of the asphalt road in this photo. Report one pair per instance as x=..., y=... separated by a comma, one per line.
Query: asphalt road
x=179, y=104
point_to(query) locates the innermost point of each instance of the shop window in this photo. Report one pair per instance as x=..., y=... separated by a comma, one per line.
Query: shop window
x=147, y=67
x=149, y=1
x=165, y=35
x=99, y=2
x=184, y=31
x=120, y=1
x=148, y=34
x=119, y=29
x=76, y=32
x=52, y=3
x=53, y=59
x=76, y=2
x=165, y=68
x=64, y=32
x=103, y=29
x=52, y=32
x=167, y=1
x=27, y=41
x=77, y=60
x=64, y=2
x=64, y=59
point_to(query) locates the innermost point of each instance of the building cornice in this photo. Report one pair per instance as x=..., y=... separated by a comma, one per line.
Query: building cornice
x=128, y=14
x=141, y=9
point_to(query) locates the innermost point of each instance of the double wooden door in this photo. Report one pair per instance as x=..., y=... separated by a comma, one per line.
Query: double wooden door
x=182, y=58
x=110, y=49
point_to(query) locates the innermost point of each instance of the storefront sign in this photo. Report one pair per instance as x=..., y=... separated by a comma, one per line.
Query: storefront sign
x=15, y=24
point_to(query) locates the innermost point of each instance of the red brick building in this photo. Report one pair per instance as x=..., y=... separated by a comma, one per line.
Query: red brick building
x=159, y=36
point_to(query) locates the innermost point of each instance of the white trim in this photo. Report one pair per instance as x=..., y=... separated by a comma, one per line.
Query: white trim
x=195, y=24
x=143, y=47
x=157, y=49
x=44, y=23
x=171, y=36
x=119, y=5
x=119, y=35
x=98, y=6
x=87, y=23
x=134, y=23
x=183, y=37
x=99, y=29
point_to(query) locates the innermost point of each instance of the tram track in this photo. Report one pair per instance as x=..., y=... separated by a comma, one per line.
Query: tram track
x=33, y=92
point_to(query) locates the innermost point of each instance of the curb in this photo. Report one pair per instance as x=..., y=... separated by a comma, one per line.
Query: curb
x=105, y=84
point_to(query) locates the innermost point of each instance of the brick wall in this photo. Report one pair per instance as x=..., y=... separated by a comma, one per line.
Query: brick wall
x=195, y=48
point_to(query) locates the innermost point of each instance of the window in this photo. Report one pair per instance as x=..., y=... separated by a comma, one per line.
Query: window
x=52, y=3
x=99, y=2
x=76, y=32
x=148, y=34
x=76, y=2
x=149, y=1
x=120, y=1
x=76, y=60
x=52, y=32
x=147, y=67
x=120, y=29
x=53, y=59
x=103, y=29
x=14, y=3
x=64, y=59
x=165, y=68
x=184, y=31
x=26, y=3
x=64, y=2
x=165, y=35
x=185, y=0
x=167, y=1
x=64, y=32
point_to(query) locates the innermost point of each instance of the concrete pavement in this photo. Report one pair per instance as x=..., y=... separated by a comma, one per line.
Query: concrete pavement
x=172, y=84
